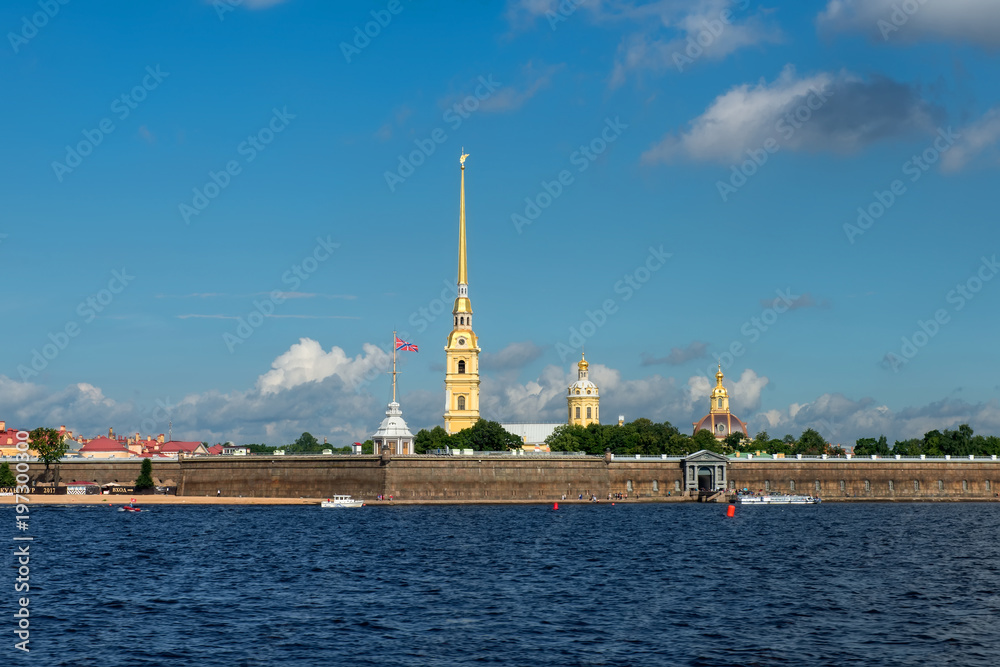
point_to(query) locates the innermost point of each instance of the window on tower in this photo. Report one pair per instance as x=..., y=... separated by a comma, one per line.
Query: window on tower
x=461, y=367
x=588, y=413
x=720, y=402
x=461, y=402
x=578, y=413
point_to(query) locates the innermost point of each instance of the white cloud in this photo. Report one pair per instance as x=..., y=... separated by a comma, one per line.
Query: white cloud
x=976, y=139
x=656, y=34
x=328, y=393
x=961, y=21
x=836, y=112
x=306, y=361
x=843, y=420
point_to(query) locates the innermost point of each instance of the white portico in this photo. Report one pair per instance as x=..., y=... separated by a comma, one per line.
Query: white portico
x=705, y=471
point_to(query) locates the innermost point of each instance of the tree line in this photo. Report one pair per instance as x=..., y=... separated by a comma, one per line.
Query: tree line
x=960, y=442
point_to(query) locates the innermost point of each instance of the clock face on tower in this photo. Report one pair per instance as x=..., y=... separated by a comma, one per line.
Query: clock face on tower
x=461, y=341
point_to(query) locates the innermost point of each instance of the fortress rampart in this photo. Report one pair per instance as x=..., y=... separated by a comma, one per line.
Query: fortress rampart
x=489, y=478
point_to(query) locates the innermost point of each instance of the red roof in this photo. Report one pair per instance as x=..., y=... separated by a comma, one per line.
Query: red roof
x=215, y=449
x=103, y=444
x=9, y=437
x=179, y=446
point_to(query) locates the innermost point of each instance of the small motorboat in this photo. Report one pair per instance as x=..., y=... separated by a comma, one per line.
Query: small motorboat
x=130, y=508
x=341, y=502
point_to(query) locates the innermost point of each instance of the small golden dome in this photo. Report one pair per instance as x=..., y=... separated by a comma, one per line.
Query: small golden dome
x=583, y=365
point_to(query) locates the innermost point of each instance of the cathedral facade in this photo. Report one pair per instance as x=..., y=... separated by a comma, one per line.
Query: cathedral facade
x=719, y=420
x=583, y=399
x=461, y=382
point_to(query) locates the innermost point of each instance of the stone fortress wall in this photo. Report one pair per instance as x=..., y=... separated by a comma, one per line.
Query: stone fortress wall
x=495, y=478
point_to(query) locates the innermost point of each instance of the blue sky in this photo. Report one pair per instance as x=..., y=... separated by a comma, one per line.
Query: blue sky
x=309, y=118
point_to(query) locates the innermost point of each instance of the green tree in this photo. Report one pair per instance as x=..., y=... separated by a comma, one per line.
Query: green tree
x=568, y=438
x=810, y=443
x=305, y=444
x=436, y=438
x=7, y=478
x=704, y=439
x=49, y=444
x=760, y=441
x=367, y=447
x=145, y=479
x=486, y=436
x=734, y=441
x=864, y=446
x=911, y=447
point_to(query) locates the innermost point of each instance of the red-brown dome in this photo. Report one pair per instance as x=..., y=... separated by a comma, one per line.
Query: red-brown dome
x=721, y=425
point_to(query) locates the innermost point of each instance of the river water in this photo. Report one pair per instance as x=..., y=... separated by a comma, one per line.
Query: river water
x=590, y=584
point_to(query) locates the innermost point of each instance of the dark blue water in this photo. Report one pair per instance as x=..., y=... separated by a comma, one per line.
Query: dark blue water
x=832, y=584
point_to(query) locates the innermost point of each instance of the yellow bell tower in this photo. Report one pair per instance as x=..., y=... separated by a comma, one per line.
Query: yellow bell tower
x=461, y=380
x=720, y=397
x=582, y=398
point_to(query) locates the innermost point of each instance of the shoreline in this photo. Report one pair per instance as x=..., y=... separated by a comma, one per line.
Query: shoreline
x=39, y=499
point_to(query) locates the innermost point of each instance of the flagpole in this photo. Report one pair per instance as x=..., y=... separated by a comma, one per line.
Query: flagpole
x=393, y=366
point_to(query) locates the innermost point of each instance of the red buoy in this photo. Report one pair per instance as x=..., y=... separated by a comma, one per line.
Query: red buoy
x=555, y=506
x=731, y=511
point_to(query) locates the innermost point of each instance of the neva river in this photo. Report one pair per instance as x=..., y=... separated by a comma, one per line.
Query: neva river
x=833, y=584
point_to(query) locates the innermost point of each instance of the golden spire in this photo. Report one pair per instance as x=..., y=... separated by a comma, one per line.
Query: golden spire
x=720, y=390
x=463, y=275
x=583, y=365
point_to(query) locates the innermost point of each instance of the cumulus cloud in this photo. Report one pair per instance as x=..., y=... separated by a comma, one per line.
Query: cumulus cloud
x=678, y=355
x=978, y=139
x=843, y=420
x=307, y=361
x=658, y=35
x=835, y=112
x=961, y=21
x=330, y=394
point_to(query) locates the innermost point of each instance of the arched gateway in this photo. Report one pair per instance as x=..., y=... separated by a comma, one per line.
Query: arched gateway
x=705, y=471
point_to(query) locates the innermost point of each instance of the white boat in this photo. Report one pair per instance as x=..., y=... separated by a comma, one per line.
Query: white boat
x=777, y=499
x=342, y=502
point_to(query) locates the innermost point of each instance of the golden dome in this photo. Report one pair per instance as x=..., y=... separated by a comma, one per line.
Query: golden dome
x=583, y=365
